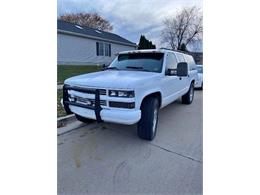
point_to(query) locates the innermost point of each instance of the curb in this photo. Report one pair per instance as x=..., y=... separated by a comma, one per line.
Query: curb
x=63, y=121
x=70, y=127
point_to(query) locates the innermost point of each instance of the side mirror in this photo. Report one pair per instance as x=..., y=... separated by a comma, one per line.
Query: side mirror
x=182, y=69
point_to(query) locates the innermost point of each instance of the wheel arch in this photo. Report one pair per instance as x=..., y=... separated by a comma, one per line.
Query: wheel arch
x=156, y=94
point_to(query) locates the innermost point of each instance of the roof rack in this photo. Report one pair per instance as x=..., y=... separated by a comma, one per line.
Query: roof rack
x=184, y=52
x=166, y=48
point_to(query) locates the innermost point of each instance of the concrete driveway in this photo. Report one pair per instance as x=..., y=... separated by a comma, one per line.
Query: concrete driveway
x=110, y=159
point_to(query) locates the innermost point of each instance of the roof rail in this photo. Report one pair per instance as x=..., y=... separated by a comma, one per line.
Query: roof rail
x=184, y=52
x=166, y=48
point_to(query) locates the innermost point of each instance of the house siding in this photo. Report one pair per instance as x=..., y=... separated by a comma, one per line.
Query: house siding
x=82, y=51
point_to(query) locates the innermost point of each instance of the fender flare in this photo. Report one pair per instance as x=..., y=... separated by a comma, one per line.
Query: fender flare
x=150, y=92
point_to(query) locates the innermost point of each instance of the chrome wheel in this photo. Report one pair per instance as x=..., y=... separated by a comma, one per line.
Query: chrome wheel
x=155, y=119
x=191, y=93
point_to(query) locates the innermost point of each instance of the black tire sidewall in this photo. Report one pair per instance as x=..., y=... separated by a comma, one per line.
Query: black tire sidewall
x=186, y=97
x=145, y=125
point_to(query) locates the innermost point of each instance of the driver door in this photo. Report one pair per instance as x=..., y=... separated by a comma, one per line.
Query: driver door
x=171, y=83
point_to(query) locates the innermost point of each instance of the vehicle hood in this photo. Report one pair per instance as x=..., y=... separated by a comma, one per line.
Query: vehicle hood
x=112, y=79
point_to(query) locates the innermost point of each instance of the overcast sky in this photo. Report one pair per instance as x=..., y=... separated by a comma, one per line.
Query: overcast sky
x=130, y=18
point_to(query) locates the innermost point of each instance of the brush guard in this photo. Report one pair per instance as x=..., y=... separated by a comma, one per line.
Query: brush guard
x=97, y=108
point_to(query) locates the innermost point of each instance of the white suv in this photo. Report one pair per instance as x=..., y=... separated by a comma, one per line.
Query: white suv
x=132, y=89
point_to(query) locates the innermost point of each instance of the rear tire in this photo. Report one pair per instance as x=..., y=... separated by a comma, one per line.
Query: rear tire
x=83, y=119
x=147, y=126
x=188, y=97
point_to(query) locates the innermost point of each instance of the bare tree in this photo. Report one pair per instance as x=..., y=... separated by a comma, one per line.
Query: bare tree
x=182, y=29
x=92, y=20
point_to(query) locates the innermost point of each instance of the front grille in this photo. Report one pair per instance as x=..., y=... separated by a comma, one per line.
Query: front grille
x=92, y=91
x=93, y=104
x=88, y=101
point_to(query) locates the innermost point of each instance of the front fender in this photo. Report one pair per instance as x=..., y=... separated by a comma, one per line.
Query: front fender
x=143, y=94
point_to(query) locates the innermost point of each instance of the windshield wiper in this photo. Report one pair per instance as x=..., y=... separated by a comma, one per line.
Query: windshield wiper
x=138, y=68
x=135, y=67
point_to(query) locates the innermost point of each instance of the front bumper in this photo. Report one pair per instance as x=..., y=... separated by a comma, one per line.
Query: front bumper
x=96, y=112
x=127, y=117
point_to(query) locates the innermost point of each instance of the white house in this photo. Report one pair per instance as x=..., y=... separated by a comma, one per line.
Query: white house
x=78, y=45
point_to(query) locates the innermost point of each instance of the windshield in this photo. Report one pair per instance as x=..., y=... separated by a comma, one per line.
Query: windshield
x=200, y=69
x=151, y=62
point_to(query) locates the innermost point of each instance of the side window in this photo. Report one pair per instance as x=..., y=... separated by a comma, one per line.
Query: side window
x=171, y=61
x=180, y=57
x=188, y=61
x=192, y=63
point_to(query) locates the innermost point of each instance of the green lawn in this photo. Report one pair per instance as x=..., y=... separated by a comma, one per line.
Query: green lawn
x=66, y=71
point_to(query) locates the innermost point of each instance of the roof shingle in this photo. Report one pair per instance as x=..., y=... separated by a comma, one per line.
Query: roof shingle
x=87, y=31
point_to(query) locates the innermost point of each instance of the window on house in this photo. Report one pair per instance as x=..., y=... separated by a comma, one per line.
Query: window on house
x=106, y=49
x=103, y=49
x=97, y=48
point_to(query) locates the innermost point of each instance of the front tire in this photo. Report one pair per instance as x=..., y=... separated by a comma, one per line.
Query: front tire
x=83, y=119
x=188, y=97
x=147, y=126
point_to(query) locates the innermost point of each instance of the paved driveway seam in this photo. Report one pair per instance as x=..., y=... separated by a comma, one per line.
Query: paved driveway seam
x=179, y=154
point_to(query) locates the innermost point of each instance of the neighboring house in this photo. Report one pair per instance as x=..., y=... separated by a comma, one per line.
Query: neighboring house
x=80, y=45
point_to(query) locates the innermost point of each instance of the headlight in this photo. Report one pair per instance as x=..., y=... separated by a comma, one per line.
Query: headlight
x=113, y=93
x=117, y=93
x=122, y=94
